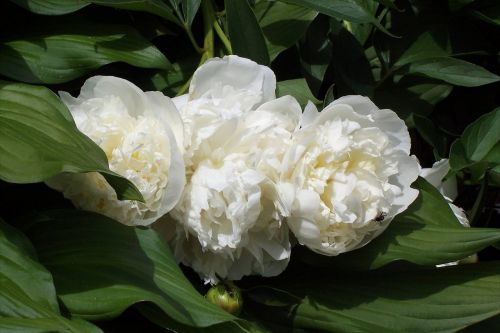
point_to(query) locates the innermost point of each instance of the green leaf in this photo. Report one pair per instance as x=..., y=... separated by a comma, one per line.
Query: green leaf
x=27, y=295
x=353, y=73
x=64, y=52
x=190, y=8
x=101, y=267
x=154, y=314
x=299, y=89
x=454, y=71
x=171, y=80
x=427, y=233
x=431, y=134
x=61, y=7
x=433, y=43
x=245, y=33
x=156, y=7
x=315, y=52
x=488, y=12
x=362, y=31
x=431, y=300
x=357, y=11
x=480, y=142
x=411, y=95
x=38, y=140
x=282, y=24
x=457, y=4
x=52, y=7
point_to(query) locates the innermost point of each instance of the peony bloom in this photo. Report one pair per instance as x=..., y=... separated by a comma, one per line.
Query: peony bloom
x=142, y=136
x=347, y=174
x=448, y=188
x=228, y=220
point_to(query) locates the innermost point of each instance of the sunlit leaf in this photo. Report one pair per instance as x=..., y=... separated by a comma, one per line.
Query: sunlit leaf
x=38, y=140
x=61, y=53
x=102, y=267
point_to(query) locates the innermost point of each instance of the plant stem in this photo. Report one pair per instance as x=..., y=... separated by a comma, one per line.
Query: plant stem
x=222, y=36
x=191, y=39
x=208, y=39
x=208, y=24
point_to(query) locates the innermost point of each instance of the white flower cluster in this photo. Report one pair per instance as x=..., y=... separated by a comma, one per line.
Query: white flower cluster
x=237, y=169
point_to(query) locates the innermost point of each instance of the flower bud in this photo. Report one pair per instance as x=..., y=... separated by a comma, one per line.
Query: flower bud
x=227, y=297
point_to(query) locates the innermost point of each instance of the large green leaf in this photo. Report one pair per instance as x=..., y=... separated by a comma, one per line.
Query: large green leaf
x=454, y=71
x=189, y=9
x=411, y=95
x=63, y=52
x=282, y=24
x=431, y=134
x=60, y=7
x=427, y=233
x=297, y=88
x=245, y=33
x=357, y=11
x=157, y=7
x=480, y=142
x=432, y=300
x=52, y=7
x=27, y=296
x=433, y=43
x=38, y=140
x=154, y=314
x=101, y=267
x=488, y=11
x=353, y=74
x=315, y=51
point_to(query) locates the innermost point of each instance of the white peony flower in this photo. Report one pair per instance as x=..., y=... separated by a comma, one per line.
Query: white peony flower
x=142, y=136
x=347, y=174
x=228, y=220
x=447, y=188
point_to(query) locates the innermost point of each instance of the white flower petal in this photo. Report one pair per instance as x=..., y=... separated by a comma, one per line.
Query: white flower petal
x=219, y=77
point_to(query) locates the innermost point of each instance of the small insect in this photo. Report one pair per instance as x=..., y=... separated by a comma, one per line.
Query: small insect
x=380, y=217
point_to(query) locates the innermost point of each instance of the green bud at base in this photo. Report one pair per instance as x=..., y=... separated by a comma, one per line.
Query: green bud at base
x=226, y=296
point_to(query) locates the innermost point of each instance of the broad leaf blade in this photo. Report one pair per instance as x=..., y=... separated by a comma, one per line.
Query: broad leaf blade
x=65, y=52
x=454, y=71
x=27, y=295
x=299, y=89
x=245, y=33
x=190, y=8
x=353, y=73
x=52, y=7
x=156, y=7
x=434, y=300
x=101, y=267
x=282, y=24
x=350, y=10
x=480, y=142
x=61, y=7
x=38, y=140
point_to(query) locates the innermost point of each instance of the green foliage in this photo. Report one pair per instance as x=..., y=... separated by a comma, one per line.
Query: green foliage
x=28, y=300
x=117, y=266
x=435, y=63
x=246, y=35
x=433, y=300
x=38, y=140
x=63, y=53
